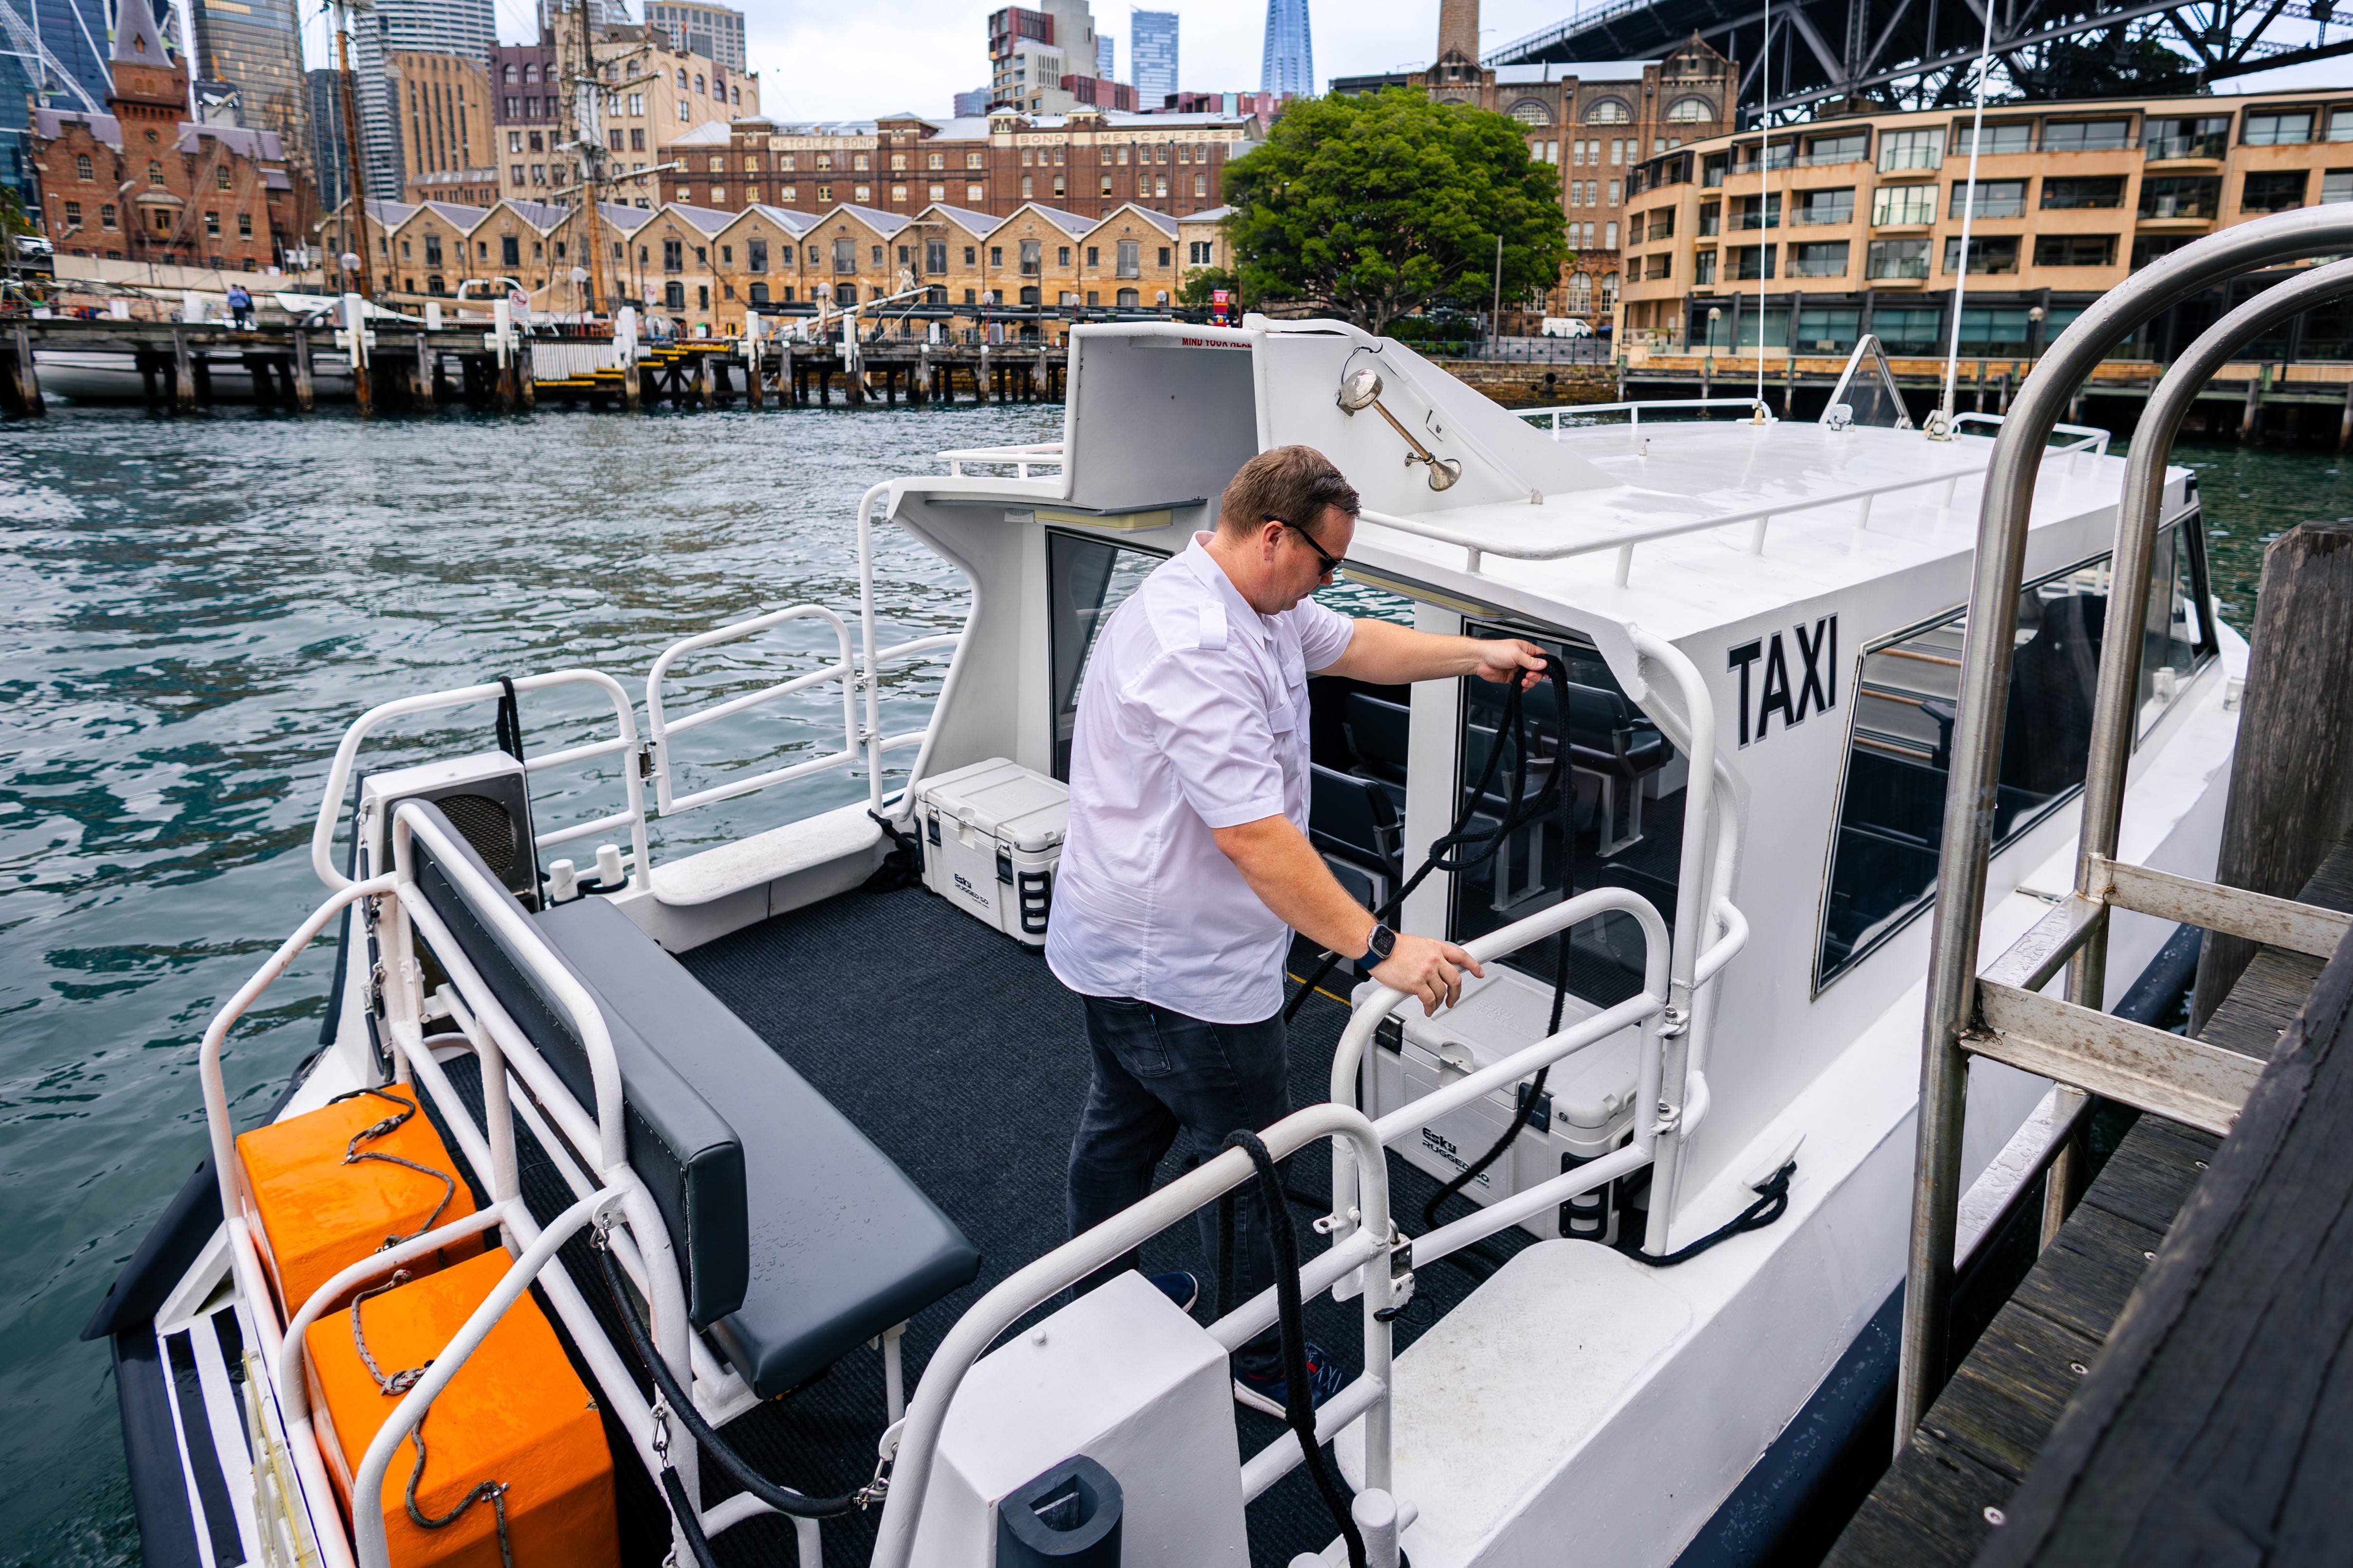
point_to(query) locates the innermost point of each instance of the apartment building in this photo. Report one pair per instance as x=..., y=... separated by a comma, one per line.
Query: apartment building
x=1049, y=60
x=443, y=101
x=1089, y=163
x=653, y=91
x=1854, y=224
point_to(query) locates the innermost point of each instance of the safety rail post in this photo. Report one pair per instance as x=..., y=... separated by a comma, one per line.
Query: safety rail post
x=1966, y=839
x=623, y=743
x=1037, y=1282
x=2113, y=704
x=661, y=727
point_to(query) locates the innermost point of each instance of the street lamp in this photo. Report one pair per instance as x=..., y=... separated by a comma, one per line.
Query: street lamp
x=1714, y=314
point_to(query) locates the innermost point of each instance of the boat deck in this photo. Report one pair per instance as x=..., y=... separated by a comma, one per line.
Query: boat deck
x=958, y=1053
x=1987, y=1432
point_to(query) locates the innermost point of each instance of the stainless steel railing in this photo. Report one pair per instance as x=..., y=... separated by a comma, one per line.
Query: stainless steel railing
x=2105, y=1054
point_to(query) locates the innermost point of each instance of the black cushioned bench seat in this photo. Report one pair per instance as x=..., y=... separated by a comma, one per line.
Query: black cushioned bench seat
x=800, y=1238
x=842, y=1246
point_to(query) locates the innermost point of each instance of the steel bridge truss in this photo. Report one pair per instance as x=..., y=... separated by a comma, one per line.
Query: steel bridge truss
x=1921, y=54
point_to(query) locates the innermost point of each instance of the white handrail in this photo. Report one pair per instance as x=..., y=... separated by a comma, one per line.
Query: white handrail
x=1040, y=1281
x=1020, y=457
x=1385, y=999
x=661, y=727
x=624, y=742
x=367, y=1482
x=871, y=737
x=1634, y=410
x=2090, y=437
x=499, y=910
x=1512, y=546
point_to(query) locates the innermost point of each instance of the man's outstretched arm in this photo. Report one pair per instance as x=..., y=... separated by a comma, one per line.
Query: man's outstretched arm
x=1283, y=869
x=1387, y=654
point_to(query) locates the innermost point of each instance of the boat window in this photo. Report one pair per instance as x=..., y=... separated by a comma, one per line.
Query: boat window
x=1625, y=819
x=1086, y=580
x=1890, y=810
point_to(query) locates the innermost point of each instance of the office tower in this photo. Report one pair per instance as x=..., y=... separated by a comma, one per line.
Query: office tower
x=256, y=47
x=326, y=138
x=1106, y=55
x=69, y=72
x=1288, y=64
x=714, y=32
x=1152, y=55
x=966, y=103
x=466, y=28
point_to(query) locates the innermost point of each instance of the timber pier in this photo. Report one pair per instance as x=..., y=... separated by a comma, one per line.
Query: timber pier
x=424, y=367
x=2165, y=1386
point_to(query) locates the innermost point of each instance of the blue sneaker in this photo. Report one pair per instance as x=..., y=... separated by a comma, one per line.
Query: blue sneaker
x=1268, y=1390
x=1178, y=1287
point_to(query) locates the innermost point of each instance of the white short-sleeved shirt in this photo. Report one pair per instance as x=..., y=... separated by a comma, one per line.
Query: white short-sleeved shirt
x=1193, y=716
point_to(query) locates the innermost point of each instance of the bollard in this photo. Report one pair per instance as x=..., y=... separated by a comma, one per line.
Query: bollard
x=355, y=335
x=306, y=393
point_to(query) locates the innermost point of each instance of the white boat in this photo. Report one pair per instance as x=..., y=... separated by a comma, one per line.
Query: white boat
x=1757, y=624
x=96, y=375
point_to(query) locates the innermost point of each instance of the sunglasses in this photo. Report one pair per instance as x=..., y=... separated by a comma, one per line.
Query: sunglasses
x=1332, y=564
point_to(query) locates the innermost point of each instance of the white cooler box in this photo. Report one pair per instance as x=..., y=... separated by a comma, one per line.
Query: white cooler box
x=992, y=834
x=1585, y=1111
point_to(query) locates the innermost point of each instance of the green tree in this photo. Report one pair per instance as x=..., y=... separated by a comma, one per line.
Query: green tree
x=1199, y=284
x=1372, y=207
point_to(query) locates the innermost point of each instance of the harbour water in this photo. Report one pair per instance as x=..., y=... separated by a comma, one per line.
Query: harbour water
x=194, y=609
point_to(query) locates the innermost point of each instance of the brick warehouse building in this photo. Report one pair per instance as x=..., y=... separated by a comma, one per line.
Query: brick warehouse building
x=1089, y=163
x=144, y=183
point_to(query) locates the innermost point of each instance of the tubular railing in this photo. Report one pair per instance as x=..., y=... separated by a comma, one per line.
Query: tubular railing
x=595, y=1133
x=661, y=727
x=1021, y=460
x=1367, y=1398
x=2002, y=1016
x=1633, y=411
x=624, y=744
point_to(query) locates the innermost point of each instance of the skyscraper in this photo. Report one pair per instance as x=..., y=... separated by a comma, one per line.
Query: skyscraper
x=68, y=73
x=256, y=48
x=715, y=32
x=465, y=27
x=1289, y=63
x=1106, y=56
x=1152, y=55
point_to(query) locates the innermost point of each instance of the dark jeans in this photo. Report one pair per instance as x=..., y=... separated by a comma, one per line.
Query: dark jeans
x=1157, y=1072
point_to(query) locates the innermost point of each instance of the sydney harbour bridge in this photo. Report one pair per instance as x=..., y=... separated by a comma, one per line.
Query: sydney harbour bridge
x=1919, y=54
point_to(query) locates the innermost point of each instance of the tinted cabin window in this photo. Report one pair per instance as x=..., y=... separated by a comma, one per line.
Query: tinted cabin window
x=1086, y=580
x=1884, y=855
x=1624, y=826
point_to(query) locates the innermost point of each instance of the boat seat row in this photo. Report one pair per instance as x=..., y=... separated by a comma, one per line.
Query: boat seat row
x=797, y=1238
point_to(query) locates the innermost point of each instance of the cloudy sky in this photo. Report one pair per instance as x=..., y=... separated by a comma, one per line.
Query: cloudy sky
x=830, y=62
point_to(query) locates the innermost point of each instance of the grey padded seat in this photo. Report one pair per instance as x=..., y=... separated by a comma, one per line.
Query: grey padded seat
x=842, y=1245
x=799, y=1239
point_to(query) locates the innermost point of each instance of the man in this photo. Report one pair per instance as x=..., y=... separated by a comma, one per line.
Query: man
x=1188, y=865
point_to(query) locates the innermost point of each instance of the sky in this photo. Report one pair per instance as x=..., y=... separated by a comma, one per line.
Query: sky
x=887, y=56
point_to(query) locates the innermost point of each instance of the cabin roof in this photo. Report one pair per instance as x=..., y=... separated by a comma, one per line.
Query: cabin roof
x=1818, y=546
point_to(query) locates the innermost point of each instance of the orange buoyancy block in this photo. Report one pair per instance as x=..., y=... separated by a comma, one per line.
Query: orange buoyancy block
x=315, y=1211
x=516, y=1414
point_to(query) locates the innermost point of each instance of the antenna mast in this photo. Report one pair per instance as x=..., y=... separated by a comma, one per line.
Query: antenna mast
x=357, y=229
x=589, y=142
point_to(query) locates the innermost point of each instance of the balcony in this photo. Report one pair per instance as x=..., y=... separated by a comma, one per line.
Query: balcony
x=2206, y=147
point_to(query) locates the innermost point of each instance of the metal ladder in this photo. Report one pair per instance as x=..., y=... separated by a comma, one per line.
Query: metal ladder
x=2000, y=1014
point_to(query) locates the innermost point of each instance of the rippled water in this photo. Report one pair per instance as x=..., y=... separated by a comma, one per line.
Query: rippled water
x=194, y=609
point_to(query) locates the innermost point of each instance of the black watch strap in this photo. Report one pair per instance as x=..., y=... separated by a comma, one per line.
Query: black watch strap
x=1382, y=942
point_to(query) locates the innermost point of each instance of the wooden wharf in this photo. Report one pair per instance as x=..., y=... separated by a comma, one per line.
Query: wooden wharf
x=2165, y=1386
x=421, y=368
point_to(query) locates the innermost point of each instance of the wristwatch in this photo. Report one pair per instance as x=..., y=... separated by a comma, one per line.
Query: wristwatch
x=1382, y=942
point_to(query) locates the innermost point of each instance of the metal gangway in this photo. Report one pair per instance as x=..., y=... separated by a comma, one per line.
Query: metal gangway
x=2000, y=1013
